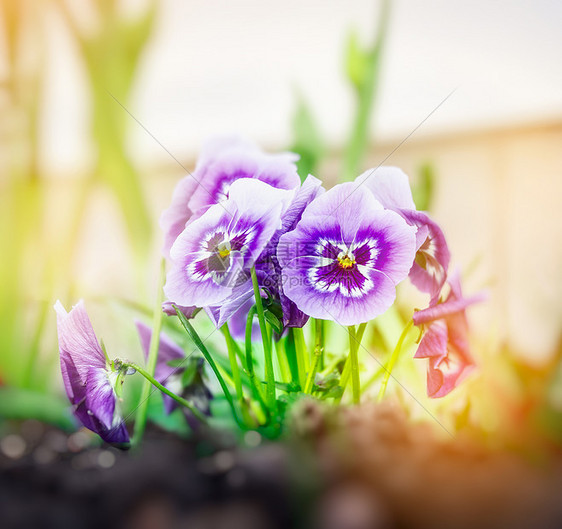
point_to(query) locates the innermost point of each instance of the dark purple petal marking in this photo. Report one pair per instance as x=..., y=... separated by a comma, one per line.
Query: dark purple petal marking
x=343, y=263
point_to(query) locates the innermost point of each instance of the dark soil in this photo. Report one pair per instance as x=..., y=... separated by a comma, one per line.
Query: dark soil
x=364, y=468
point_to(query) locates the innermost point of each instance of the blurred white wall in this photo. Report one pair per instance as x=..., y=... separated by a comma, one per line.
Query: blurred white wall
x=235, y=66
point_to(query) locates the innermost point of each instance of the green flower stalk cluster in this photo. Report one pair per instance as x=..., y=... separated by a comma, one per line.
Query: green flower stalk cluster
x=276, y=266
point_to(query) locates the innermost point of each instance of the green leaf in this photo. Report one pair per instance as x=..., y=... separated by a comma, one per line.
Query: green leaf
x=423, y=189
x=357, y=61
x=273, y=321
x=177, y=362
x=289, y=387
x=21, y=404
x=308, y=142
x=174, y=422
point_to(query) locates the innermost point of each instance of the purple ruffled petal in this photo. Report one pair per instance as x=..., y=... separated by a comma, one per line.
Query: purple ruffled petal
x=222, y=161
x=391, y=188
x=176, y=216
x=389, y=185
x=100, y=397
x=77, y=339
x=229, y=160
x=79, y=351
x=86, y=377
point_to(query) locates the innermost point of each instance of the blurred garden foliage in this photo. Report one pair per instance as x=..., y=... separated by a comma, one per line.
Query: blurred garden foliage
x=39, y=263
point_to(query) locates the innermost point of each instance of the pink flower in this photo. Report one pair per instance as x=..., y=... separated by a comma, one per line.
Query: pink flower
x=445, y=342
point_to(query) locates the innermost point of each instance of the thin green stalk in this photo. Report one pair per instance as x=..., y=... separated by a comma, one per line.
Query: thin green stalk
x=360, y=333
x=249, y=357
x=291, y=355
x=205, y=352
x=269, y=375
x=140, y=417
x=354, y=363
x=366, y=94
x=393, y=359
x=283, y=363
x=302, y=357
x=151, y=380
x=230, y=345
x=317, y=353
x=344, y=379
x=347, y=366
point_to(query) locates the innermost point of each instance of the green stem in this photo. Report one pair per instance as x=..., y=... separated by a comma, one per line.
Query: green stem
x=315, y=357
x=233, y=362
x=393, y=359
x=205, y=352
x=302, y=357
x=269, y=375
x=366, y=93
x=283, y=363
x=151, y=380
x=249, y=357
x=347, y=367
x=354, y=364
x=344, y=379
x=142, y=410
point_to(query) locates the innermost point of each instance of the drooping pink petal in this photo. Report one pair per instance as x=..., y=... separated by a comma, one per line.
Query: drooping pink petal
x=390, y=186
x=445, y=342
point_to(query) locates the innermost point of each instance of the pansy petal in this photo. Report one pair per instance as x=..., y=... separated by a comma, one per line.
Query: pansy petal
x=345, y=267
x=101, y=404
x=175, y=217
x=344, y=202
x=446, y=374
x=447, y=308
x=213, y=255
x=434, y=341
x=77, y=339
x=429, y=271
x=240, y=160
x=167, y=350
x=389, y=185
x=100, y=397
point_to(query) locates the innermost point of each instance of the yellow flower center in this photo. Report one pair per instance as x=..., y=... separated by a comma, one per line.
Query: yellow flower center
x=224, y=249
x=346, y=261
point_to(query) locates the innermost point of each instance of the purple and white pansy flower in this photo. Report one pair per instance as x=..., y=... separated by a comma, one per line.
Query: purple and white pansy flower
x=391, y=188
x=214, y=254
x=345, y=257
x=88, y=378
x=221, y=163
